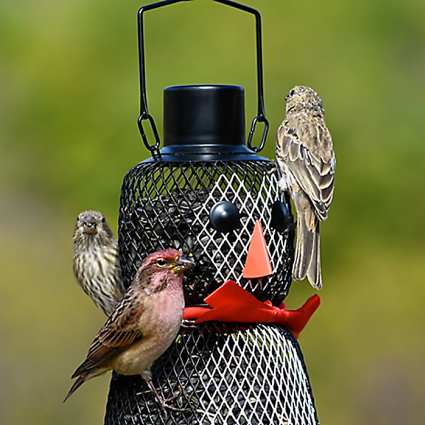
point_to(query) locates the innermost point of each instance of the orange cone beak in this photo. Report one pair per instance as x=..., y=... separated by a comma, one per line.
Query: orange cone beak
x=257, y=264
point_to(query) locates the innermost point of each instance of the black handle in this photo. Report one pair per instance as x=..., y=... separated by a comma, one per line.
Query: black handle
x=144, y=111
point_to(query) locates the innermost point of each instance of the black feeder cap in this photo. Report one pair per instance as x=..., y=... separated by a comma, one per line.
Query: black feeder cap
x=205, y=123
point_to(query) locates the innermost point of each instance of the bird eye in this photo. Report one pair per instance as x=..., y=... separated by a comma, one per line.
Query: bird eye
x=103, y=219
x=161, y=262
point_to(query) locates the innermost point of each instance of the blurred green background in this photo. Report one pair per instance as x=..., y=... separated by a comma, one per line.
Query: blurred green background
x=68, y=134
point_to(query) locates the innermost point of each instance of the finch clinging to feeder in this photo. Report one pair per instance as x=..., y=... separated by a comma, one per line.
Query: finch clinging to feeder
x=96, y=263
x=143, y=325
x=306, y=162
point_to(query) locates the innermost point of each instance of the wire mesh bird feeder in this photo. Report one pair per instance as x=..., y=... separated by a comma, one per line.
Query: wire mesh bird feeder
x=204, y=192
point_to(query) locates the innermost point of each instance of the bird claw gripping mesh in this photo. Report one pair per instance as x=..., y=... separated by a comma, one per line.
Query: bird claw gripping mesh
x=215, y=373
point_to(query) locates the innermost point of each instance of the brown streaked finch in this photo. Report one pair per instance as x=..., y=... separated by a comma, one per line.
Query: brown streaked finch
x=306, y=163
x=143, y=325
x=96, y=262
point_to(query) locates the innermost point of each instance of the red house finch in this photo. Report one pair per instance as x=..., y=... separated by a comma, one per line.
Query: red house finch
x=143, y=325
x=306, y=162
x=96, y=262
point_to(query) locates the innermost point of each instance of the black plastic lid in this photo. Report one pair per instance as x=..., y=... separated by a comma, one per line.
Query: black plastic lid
x=203, y=115
x=205, y=122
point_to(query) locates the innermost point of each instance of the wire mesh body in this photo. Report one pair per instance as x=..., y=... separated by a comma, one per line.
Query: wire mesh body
x=221, y=375
x=218, y=374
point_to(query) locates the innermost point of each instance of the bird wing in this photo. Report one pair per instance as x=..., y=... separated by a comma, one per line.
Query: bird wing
x=119, y=332
x=118, y=278
x=309, y=157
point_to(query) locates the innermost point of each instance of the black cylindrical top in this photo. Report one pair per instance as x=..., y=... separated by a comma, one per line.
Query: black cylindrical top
x=205, y=123
x=204, y=115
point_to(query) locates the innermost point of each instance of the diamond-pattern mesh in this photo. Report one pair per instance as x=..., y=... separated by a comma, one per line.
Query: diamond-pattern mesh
x=218, y=375
x=165, y=205
x=215, y=373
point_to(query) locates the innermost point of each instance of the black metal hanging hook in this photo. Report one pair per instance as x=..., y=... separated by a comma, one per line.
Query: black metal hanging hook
x=144, y=111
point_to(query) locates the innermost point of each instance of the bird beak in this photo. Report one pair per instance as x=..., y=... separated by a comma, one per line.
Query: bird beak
x=89, y=228
x=183, y=264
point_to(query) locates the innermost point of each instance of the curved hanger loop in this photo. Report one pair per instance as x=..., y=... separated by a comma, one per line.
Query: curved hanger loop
x=144, y=110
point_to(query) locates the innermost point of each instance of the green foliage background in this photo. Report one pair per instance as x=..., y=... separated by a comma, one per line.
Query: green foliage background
x=68, y=109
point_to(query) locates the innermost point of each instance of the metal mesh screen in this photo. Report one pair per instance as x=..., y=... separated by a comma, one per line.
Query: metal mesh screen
x=219, y=375
x=165, y=205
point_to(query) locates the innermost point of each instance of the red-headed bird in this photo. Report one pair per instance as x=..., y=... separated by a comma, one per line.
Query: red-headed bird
x=143, y=325
x=306, y=162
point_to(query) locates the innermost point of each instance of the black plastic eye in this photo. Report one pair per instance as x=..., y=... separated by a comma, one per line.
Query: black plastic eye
x=225, y=217
x=282, y=219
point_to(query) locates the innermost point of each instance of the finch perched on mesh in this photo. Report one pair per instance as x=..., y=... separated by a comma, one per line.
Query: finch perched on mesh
x=306, y=163
x=96, y=263
x=143, y=325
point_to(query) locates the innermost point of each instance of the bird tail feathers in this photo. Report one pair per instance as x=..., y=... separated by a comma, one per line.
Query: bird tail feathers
x=314, y=274
x=77, y=384
x=307, y=250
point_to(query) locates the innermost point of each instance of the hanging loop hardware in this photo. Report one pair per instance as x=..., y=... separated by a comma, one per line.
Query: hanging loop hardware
x=258, y=119
x=154, y=148
x=144, y=111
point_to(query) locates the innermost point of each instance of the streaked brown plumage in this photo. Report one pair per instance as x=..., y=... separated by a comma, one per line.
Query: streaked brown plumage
x=96, y=263
x=306, y=161
x=143, y=325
